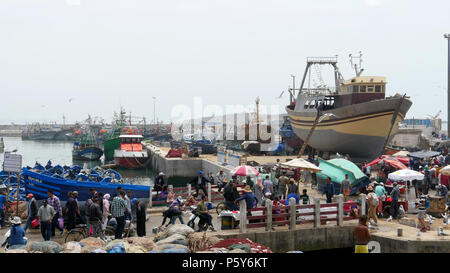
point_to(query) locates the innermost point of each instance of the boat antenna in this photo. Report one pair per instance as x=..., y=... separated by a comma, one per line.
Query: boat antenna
x=357, y=67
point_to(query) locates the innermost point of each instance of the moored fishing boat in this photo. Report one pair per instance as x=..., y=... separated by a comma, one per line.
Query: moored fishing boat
x=131, y=154
x=87, y=148
x=38, y=181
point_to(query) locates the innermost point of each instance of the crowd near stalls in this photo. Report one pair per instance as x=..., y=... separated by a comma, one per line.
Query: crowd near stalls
x=386, y=182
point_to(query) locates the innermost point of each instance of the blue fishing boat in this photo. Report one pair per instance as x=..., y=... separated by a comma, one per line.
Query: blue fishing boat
x=38, y=182
x=87, y=148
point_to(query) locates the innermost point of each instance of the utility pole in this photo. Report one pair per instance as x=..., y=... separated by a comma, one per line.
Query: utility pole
x=447, y=36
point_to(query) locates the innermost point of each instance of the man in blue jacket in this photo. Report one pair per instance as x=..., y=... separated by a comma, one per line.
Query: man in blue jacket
x=328, y=190
x=248, y=196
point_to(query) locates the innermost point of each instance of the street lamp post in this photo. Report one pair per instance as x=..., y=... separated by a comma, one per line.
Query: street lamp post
x=447, y=36
x=154, y=110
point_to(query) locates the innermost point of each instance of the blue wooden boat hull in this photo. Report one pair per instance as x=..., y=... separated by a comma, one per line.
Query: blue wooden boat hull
x=38, y=184
x=90, y=153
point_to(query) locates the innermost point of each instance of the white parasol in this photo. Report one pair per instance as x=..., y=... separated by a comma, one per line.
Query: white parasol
x=300, y=163
x=405, y=175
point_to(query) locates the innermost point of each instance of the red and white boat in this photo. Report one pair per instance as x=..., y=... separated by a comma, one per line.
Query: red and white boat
x=131, y=154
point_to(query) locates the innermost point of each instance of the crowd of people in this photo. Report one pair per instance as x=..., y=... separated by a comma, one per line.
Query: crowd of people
x=98, y=213
x=278, y=187
x=256, y=191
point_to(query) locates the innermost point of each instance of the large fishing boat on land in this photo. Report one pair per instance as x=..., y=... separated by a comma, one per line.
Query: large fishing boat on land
x=354, y=118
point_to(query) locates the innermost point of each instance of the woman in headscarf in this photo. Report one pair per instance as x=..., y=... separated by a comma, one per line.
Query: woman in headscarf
x=105, y=212
x=141, y=210
x=258, y=191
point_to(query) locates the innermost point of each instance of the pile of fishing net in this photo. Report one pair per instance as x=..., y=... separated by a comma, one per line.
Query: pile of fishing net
x=43, y=247
x=170, y=248
x=145, y=242
x=239, y=245
x=96, y=245
x=173, y=240
x=201, y=241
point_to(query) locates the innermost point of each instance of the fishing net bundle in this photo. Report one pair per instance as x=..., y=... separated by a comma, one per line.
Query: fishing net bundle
x=92, y=241
x=200, y=241
x=174, y=239
x=71, y=247
x=170, y=248
x=179, y=229
x=232, y=243
x=145, y=242
x=44, y=247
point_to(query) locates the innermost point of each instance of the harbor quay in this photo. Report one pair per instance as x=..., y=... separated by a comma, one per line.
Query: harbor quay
x=189, y=167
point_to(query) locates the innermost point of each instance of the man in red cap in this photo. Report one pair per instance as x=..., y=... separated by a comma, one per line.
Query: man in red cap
x=32, y=210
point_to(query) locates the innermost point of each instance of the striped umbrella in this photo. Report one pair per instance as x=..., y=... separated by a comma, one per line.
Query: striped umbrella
x=245, y=170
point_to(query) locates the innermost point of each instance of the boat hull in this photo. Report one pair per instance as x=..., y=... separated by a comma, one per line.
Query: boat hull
x=131, y=159
x=359, y=130
x=90, y=153
x=38, y=184
x=109, y=146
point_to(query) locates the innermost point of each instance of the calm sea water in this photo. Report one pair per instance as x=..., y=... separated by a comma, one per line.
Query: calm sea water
x=60, y=152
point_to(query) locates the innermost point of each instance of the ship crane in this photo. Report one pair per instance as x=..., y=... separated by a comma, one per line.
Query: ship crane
x=316, y=62
x=435, y=116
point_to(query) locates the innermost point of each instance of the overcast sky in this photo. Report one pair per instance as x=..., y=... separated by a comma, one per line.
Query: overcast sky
x=80, y=57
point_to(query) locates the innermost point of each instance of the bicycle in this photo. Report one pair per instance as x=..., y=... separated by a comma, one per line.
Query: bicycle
x=77, y=234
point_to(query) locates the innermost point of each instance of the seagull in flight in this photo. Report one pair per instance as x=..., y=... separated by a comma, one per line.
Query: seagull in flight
x=279, y=97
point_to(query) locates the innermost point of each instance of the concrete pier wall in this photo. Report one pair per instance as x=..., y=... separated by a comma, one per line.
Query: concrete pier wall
x=301, y=239
x=391, y=245
x=181, y=167
x=334, y=237
x=208, y=166
x=175, y=167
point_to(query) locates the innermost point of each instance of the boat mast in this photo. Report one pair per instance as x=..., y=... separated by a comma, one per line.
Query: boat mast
x=357, y=67
x=257, y=119
x=447, y=36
